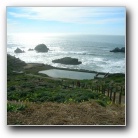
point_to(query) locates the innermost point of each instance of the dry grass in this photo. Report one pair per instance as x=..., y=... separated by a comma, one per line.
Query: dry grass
x=85, y=113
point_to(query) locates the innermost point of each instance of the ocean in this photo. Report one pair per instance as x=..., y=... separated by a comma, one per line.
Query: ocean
x=92, y=50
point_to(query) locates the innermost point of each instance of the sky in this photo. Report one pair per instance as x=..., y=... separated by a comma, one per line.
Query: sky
x=67, y=20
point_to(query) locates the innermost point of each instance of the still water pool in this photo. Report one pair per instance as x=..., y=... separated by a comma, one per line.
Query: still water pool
x=56, y=73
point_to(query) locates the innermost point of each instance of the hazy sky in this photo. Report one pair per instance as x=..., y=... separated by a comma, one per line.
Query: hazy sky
x=83, y=20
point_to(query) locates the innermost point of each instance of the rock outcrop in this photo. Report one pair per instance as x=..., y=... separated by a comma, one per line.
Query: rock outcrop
x=67, y=61
x=18, y=50
x=118, y=50
x=41, y=48
x=30, y=49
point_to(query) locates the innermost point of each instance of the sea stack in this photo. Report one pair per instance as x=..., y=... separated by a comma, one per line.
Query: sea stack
x=18, y=50
x=118, y=50
x=30, y=49
x=41, y=48
x=67, y=61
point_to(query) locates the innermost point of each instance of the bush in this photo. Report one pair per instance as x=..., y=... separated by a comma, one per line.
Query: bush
x=13, y=107
x=102, y=103
x=59, y=98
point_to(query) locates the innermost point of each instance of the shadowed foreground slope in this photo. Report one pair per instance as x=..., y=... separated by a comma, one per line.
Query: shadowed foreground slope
x=85, y=113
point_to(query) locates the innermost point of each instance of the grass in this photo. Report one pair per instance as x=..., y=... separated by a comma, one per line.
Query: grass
x=48, y=101
x=52, y=113
x=14, y=107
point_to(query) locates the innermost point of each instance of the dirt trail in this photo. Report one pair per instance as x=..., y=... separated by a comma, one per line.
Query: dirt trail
x=32, y=65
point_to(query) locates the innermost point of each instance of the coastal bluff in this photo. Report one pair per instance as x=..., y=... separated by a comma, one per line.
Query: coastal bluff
x=67, y=61
x=14, y=64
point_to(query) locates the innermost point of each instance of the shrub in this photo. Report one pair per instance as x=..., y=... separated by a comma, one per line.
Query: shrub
x=102, y=103
x=59, y=98
x=13, y=107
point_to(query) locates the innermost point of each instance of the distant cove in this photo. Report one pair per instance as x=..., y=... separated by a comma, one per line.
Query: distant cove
x=56, y=73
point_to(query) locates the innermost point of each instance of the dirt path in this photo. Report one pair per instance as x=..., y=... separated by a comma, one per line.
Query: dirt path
x=32, y=65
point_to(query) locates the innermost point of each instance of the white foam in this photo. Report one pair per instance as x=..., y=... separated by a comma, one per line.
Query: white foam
x=91, y=54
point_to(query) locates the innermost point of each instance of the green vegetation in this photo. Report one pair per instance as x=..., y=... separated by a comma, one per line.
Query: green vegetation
x=49, y=96
x=28, y=88
x=102, y=103
x=13, y=107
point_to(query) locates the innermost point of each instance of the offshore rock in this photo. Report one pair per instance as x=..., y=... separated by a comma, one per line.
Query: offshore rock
x=41, y=48
x=18, y=50
x=67, y=61
x=118, y=50
x=30, y=49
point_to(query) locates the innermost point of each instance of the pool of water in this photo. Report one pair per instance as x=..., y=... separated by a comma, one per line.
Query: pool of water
x=56, y=73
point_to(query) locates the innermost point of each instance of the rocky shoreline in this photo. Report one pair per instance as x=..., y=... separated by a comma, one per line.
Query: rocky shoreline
x=36, y=67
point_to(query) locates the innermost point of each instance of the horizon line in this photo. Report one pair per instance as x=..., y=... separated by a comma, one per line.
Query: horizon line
x=35, y=33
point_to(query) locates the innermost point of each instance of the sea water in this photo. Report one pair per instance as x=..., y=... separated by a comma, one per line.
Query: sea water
x=56, y=73
x=92, y=50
